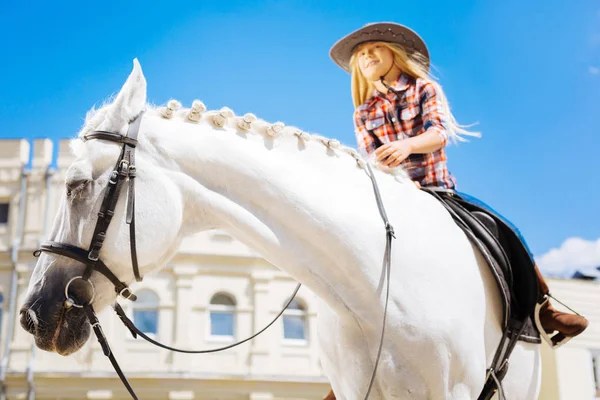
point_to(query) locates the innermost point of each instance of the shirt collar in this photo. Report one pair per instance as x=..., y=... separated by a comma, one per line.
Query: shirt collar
x=400, y=84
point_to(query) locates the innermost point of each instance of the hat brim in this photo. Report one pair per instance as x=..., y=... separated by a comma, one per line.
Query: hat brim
x=390, y=32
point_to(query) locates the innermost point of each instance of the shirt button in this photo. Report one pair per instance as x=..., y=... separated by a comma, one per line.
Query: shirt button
x=393, y=119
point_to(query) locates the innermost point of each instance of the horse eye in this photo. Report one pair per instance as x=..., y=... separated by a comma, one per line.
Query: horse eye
x=76, y=186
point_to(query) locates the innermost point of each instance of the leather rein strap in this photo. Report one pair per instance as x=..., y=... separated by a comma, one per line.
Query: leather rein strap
x=387, y=267
x=125, y=170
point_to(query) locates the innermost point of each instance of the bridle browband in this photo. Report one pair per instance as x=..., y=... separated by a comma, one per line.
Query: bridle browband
x=123, y=171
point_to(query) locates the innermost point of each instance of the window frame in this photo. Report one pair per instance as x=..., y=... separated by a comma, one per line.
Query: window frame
x=135, y=306
x=302, y=312
x=223, y=309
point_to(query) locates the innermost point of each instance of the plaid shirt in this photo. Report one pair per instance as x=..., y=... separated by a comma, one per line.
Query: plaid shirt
x=383, y=119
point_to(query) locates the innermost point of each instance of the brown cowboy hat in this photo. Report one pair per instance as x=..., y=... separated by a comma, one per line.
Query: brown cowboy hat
x=391, y=32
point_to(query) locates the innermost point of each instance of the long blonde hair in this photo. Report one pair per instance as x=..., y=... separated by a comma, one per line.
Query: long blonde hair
x=415, y=66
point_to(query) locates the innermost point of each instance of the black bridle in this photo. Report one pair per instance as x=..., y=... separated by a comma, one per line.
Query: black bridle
x=124, y=171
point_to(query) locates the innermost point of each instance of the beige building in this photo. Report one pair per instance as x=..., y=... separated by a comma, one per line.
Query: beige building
x=572, y=372
x=215, y=291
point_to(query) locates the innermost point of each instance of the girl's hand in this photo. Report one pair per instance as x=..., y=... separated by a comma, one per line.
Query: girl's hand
x=392, y=154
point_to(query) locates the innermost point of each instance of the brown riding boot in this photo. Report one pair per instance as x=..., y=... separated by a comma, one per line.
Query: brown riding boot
x=568, y=325
x=330, y=396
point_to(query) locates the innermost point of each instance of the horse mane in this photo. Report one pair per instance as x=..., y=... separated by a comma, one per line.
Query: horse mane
x=248, y=124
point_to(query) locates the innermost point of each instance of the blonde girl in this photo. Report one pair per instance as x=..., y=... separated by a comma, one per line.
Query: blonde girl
x=402, y=118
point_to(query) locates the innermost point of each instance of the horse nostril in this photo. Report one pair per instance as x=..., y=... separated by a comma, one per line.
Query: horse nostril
x=28, y=320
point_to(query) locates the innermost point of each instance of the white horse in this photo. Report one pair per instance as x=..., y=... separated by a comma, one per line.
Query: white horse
x=306, y=204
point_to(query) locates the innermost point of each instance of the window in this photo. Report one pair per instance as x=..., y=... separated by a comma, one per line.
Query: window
x=222, y=316
x=145, y=311
x=294, y=321
x=3, y=213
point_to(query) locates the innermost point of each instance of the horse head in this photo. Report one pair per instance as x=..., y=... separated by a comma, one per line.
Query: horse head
x=52, y=310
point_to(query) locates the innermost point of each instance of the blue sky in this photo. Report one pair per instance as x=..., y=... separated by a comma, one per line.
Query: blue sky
x=528, y=72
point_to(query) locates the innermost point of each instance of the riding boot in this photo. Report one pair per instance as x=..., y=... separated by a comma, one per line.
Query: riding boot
x=569, y=325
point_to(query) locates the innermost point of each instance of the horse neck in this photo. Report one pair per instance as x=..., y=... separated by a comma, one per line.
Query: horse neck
x=301, y=205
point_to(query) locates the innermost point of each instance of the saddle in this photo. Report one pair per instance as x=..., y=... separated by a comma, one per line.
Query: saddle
x=513, y=271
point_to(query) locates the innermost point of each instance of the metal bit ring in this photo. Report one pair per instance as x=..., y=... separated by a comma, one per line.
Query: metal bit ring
x=69, y=302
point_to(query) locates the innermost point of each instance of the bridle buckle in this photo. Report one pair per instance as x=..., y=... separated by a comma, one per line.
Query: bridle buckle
x=113, y=178
x=126, y=293
x=124, y=166
x=94, y=255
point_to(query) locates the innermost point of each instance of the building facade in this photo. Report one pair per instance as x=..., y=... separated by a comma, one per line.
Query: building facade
x=214, y=292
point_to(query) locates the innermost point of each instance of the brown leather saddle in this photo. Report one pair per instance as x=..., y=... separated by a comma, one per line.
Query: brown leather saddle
x=513, y=270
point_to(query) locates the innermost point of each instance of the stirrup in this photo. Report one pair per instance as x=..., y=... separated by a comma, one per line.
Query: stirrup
x=558, y=339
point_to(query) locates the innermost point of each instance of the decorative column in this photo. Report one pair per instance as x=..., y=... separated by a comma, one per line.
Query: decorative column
x=14, y=156
x=36, y=195
x=260, y=353
x=184, y=301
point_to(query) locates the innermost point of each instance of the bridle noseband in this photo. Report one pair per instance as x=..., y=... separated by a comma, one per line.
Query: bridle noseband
x=123, y=171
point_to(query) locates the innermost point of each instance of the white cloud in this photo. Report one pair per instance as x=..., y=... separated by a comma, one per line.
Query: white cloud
x=594, y=70
x=574, y=253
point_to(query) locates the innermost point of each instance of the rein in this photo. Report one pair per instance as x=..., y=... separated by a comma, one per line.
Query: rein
x=123, y=171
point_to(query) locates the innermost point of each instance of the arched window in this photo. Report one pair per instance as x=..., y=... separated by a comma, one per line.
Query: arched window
x=222, y=315
x=294, y=321
x=145, y=311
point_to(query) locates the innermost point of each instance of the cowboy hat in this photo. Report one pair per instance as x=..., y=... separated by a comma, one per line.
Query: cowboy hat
x=390, y=32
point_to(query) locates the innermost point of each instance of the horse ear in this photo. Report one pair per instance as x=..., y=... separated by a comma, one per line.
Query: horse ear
x=132, y=98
